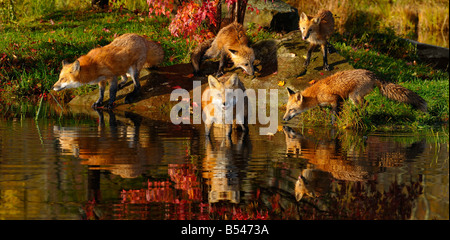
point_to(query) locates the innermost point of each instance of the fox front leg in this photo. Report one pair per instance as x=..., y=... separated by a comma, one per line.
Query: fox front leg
x=336, y=108
x=308, y=54
x=101, y=90
x=221, y=63
x=137, y=86
x=112, y=92
x=326, y=67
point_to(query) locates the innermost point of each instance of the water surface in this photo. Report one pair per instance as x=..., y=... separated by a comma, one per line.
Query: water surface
x=121, y=166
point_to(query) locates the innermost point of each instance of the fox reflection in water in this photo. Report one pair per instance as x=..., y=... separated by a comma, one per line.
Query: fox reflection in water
x=346, y=157
x=122, y=149
x=222, y=165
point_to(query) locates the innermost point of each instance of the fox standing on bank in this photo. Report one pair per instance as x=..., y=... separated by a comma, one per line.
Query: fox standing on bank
x=220, y=96
x=127, y=54
x=231, y=42
x=351, y=84
x=317, y=30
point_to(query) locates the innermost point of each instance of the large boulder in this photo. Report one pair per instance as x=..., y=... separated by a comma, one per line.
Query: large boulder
x=436, y=56
x=276, y=15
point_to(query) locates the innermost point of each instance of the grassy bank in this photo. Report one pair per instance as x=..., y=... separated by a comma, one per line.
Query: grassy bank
x=393, y=60
x=31, y=53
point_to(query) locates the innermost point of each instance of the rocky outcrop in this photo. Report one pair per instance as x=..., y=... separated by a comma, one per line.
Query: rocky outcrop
x=274, y=14
x=436, y=56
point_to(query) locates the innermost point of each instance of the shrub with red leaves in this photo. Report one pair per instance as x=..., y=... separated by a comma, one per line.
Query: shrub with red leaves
x=194, y=19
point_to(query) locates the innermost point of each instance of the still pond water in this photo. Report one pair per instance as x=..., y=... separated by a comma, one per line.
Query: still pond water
x=124, y=167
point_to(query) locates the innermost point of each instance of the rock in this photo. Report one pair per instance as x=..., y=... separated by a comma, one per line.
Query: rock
x=437, y=57
x=282, y=60
x=276, y=60
x=276, y=15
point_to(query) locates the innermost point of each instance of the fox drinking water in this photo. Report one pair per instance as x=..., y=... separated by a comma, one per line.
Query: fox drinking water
x=127, y=54
x=351, y=84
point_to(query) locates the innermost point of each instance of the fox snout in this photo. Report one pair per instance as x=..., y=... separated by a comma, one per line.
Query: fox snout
x=249, y=70
x=290, y=114
x=305, y=35
x=57, y=87
x=66, y=84
x=224, y=106
x=287, y=117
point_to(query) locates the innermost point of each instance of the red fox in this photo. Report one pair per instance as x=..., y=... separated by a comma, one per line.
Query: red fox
x=353, y=84
x=231, y=42
x=128, y=53
x=317, y=30
x=155, y=53
x=221, y=96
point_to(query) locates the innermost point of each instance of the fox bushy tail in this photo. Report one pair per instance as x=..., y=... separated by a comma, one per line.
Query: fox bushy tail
x=401, y=94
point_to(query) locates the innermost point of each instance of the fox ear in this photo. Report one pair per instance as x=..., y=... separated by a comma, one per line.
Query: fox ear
x=76, y=66
x=290, y=91
x=233, y=51
x=213, y=82
x=316, y=20
x=234, y=80
x=303, y=17
x=299, y=97
x=64, y=62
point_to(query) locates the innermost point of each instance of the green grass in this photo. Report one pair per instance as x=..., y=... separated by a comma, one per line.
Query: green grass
x=32, y=52
x=394, y=60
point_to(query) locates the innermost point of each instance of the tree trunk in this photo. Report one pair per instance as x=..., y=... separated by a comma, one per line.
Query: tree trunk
x=236, y=12
x=241, y=6
x=218, y=16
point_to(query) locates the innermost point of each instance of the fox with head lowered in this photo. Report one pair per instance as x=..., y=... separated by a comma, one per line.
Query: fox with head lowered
x=231, y=42
x=127, y=54
x=350, y=84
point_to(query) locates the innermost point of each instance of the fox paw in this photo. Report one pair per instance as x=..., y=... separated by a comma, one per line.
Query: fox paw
x=96, y=105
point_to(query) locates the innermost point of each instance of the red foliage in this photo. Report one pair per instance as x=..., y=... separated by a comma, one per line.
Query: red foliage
x=160, y=7
x=189, y=18
x=184, y=178
x=193, y=19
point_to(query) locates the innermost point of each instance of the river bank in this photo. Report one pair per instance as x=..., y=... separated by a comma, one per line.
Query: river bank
x=30, y=64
